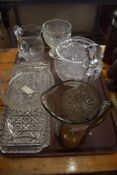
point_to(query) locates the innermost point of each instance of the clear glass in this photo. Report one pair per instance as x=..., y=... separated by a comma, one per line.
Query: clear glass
x=26, y=123
x=54, y=31
x=78, y=58
x=77, y=107
x=30, y=44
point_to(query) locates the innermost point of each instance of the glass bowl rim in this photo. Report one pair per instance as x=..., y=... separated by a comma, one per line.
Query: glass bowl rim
x=51, y=20
x=74, y=38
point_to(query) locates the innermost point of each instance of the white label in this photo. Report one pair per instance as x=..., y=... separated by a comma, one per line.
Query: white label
x=27, y=90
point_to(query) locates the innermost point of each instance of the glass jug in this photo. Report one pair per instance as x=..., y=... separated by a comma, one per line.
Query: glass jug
x=77, y=106
x=78, y=58
x=30, y=44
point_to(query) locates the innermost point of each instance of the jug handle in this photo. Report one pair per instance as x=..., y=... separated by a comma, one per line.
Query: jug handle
x=97, y=52
x=106, y=105
x=18, y=31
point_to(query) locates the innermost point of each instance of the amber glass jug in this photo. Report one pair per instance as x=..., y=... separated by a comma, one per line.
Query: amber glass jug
x=77, y=107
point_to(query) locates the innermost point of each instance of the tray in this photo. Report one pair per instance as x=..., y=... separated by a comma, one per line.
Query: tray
x=101, y=140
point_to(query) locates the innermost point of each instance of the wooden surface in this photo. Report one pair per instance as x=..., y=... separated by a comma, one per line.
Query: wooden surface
x=52, y=165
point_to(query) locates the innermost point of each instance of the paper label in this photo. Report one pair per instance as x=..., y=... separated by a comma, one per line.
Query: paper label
x=27, y=90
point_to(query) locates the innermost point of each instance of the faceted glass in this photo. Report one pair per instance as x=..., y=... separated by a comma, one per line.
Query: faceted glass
x=26, y=123
x=78, y=58
x=54, y=31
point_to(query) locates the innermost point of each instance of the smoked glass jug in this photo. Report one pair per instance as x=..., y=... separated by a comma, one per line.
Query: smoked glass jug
x=77, y=107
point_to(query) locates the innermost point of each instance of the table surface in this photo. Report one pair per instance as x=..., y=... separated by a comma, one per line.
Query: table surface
x=53, y=165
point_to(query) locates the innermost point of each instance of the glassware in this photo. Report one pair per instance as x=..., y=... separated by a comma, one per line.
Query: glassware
x=55, y=30
x=78, y=58
x=30, y=44
x=77, y=107
x=26, y=123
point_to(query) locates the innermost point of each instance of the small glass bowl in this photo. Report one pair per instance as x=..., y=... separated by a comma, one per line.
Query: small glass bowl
x=54, y=31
